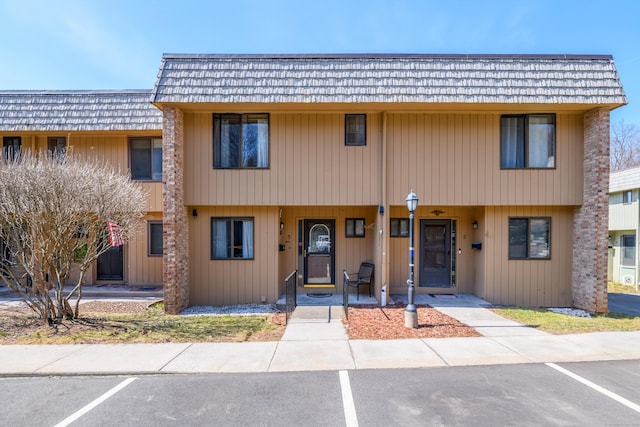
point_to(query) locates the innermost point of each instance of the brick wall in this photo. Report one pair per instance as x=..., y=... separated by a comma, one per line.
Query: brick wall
x=591, y=220
x=175, y=265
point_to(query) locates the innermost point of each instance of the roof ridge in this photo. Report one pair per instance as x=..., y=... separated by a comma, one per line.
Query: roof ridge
x=77, y=92
x=209, y=56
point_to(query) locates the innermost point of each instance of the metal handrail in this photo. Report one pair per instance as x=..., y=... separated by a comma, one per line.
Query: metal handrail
x=291, y=293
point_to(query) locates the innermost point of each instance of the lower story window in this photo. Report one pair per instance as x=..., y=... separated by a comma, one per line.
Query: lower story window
x=354, y=227
x=529, y=238
x=629, y=250
x=399, y=227
x=155, y=238
x=231, y=238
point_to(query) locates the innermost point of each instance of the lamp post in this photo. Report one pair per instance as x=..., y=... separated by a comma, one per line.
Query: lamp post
x=410, y=314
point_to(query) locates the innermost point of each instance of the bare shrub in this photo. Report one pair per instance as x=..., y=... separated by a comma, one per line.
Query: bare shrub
x=53, y=217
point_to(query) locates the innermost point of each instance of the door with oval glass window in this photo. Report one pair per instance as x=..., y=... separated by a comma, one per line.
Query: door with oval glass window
x=319, y=253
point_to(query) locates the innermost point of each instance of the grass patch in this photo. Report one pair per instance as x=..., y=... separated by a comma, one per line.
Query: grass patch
x=619, y=288
x=559, y=324
x=152, y=326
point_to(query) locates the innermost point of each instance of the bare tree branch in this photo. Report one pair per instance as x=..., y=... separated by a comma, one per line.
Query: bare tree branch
x=625, y=145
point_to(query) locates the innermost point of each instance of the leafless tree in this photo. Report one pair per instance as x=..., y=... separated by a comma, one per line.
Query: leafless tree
x=625, y=145
x=54, y=211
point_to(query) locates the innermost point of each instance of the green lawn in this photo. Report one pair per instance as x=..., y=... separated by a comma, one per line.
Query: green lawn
x=619, y=288
x=563, y=324
x=152, y=326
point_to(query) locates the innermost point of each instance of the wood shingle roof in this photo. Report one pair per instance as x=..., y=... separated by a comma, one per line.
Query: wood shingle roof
x=524, y=79
x=78, y=111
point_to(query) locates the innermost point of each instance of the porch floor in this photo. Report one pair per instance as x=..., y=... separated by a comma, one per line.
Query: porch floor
x=330, y=299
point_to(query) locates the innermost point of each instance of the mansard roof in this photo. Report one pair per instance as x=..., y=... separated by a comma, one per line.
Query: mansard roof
x=78, y=111
x=343, y=78
x=626, y=179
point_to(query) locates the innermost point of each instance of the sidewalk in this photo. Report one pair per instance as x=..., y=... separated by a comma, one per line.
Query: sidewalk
x=315, y=340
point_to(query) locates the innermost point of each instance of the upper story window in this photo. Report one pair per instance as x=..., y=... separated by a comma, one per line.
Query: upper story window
x=355, y=129
x=241, y=141
x=11, y=147
x=626, y=197
x=529, y=238
x=528, y=141
x=145, y=155
x=57, y=144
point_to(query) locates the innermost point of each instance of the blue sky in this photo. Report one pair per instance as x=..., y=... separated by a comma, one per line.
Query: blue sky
x=118, y=44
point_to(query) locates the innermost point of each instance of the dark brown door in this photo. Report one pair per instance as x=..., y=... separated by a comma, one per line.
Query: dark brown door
x=435, y=252
x=110, y=265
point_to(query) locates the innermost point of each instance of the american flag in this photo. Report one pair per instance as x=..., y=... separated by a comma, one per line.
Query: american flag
x=115, y=235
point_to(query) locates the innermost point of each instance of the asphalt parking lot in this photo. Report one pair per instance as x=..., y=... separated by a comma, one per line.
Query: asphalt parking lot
x=587, y=393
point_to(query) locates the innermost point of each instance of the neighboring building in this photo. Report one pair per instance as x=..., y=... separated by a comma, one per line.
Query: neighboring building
x=276, y=163
x=624, y=224
x=120, y=127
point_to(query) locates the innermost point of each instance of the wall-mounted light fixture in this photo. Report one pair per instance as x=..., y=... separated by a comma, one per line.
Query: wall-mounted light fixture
x=281, y=227
x=474, y=224
x=194, y=213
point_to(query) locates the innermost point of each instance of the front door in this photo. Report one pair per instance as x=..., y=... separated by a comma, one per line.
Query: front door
x=435, y=253
x=110, y=265
x=318, y=252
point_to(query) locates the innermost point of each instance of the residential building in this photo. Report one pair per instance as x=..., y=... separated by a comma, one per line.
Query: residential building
x=278, y=163
x=624, y=223
x=118, y=127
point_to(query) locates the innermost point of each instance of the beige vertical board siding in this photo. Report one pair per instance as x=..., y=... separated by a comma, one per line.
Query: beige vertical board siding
x=225, y=282
x=154, y=195
x=399, y=250
x=444, y=142
x=623, y=216
x=309, y=164
x=465, y=152
x=531, y=283
x=111, y=149
x=142, y=268
x=480, y=259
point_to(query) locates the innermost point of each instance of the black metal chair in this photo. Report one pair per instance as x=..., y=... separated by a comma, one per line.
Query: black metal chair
x=364, y=277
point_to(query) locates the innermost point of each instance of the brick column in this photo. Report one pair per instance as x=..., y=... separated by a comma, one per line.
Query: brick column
x=175, y=261
x=591, y=220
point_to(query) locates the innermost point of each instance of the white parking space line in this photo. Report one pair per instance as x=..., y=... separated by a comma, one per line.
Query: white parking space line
x=71, y=418
x=596, y=387
x=347, y=400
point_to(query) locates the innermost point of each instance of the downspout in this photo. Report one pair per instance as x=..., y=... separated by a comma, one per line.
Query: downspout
x=384, y=247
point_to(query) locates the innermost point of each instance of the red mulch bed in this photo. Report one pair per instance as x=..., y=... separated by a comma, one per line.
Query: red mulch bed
x=371, y=322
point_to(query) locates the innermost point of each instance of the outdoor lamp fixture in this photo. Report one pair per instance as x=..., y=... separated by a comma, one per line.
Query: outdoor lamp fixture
x=410, y=314
x=474, y=224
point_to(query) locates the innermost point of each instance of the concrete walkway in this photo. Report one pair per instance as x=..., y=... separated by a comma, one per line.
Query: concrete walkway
x=315, y=340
